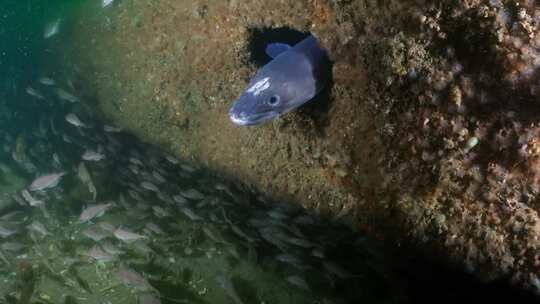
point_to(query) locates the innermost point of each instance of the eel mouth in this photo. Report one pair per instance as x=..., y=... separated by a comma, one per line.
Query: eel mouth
x=243, y=119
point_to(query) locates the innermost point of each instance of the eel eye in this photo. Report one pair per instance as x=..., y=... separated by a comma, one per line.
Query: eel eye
x=273, y=100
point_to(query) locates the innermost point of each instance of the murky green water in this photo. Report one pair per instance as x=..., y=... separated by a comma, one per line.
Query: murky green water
x=89, y=214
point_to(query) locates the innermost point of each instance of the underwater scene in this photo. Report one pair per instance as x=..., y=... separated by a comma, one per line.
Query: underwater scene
x=308, y=151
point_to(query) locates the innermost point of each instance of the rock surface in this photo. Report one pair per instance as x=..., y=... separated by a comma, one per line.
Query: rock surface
x=430, y=131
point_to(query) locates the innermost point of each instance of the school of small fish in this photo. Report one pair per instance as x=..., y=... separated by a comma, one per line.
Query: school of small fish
x=133, y=201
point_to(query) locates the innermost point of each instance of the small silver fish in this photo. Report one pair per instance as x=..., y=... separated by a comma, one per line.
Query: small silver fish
x=93, y=212
x=46, y=181
x=110, y=248
x=86, y=179
x=5, y=231
x=160, y=212
x=318, y=253
x=291, y=260
x=105, y=3
x=143, y=249
x=18, y=199
x=190, y=214
x=12, y=215
x=47, y=81
x=132, y=278
x=127, y=236
x=298, y=282
x=95, y=233
x=111, y=129
x=300, y=242
x=165, y=197
x=158, y=177
x=56, y=160
x=65, y=95
x=180, y=199
x=294, y=76
x=90, y=155
x=99, y=254
x=154, y=228
x=192, y=194
x=107, y=226
x=187, y=168
x=38, y=227
x=52, y=28
x=34, y=93
x=134, y=169
x=149, y=186
x=12, y=246
x=30, y=199
x=241, y=233
x=67, y=139
x=142, y=206
x=134, y=195
x=136, y=161
x=74, y=120
x=211, y=235
x=171, y=159
x=338, y=270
